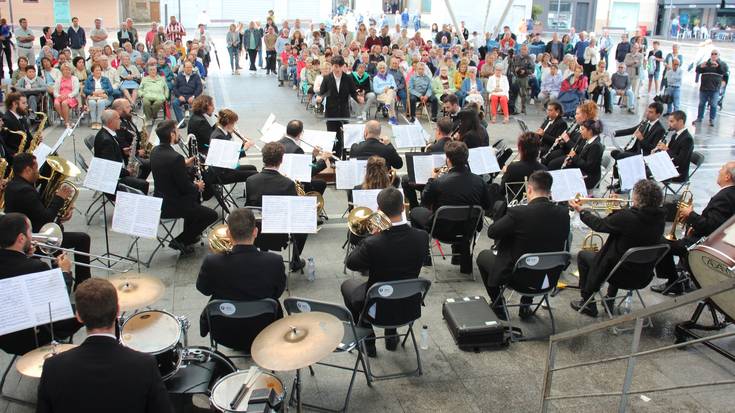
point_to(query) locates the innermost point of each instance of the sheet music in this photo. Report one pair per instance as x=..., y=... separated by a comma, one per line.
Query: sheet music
x=482, y=160
x=60, y=141
x=369, y=198
x=567, y=184
x=353, y=133
x=136, y=215
x=423, y=167
x=224, y=154
x=283, y=214
x=350, y=173
x=42, y=152
x=274, y=133
x=24, y=300
x=661, y=166
x=103, y=175
x=409, y=136
x=631, y=170
x=321, y=138
x=296, y=167
x=268, y=122
x=424, y=133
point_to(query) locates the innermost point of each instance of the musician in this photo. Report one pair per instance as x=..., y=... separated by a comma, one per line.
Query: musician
x=21, y=196
x=180, y=195
x=540, y=226
x=458, y=186
x=320, y=159
x=245, y=273
x=680, y=146
x=14, y=119
x=552, y=127
x=338, y=90
x=92, y=375
x=587, y=155
x=394, y=254
x=202, y=121
x=107, y=146
x=646, y=135
x=641, y=225
x=374, y=144
x=515, y=173
x=450, y=105
x=470, y=130
x=718, y=210
x=128, y=132
x=225, y=129
x=15, y=259
x=568, y=140
x=270, y=182
x=442, y=133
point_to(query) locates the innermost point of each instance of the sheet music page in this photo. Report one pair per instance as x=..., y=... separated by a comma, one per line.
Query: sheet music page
x=567, y=184
x=409, y=136
x=321, y=138
x=350, y=173
x=136, y=215
x=24, y=300
x=268, y=122
x=631, y=170
x=103, y=175
x=482, y=160
x=283, y=214
x=423, y=167
x=224, y=154
x=661, y=166
x=353, y=133
x=366, y=198
x=439, y=159
x=424, y=133
x=41, y=153
x=274, y=133
x=296, y=167
x=60, y=141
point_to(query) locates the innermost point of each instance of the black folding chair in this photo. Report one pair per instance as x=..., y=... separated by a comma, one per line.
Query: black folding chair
x=247, y=318
x=353, y=338
x=697, y=159
x=451, y=225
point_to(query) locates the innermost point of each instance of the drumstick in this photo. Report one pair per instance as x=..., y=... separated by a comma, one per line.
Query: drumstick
x=245, y=388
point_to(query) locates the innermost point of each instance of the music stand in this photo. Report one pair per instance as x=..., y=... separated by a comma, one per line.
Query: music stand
x=110, y=256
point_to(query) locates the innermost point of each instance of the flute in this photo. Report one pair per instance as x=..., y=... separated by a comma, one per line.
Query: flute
x=244, y=139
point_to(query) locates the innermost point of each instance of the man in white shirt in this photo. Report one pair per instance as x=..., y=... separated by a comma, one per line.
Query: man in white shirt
x=98, y=34
x=24, y=36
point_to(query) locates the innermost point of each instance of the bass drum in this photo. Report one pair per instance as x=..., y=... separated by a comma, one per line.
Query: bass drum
x=191, y=386
x=712, y=261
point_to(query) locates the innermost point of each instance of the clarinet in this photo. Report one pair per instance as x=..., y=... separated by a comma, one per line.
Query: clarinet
x=133, y=162
x=570, y=130
x=194, y=152
x=638, y=129
x=577, y=147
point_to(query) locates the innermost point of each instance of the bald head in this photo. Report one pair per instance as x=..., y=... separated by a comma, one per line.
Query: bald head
x=372, y=129
x=726, y=175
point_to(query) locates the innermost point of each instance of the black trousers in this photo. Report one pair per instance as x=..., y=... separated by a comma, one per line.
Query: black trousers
x=589, y=284
x=410, y=190
x=492, y=280
x=554, y=158
x=78, y=241
x=137, y=183
x=226, y=176
x=605, y=96
x=270, y=61
x=252, y=55
x=8, y=52
x=336, y=126
x=316, y=185
x=421, y=218
x=413, y=101
x=196, y=220
x=353, y=294
x=666, y=268
x=618, y=155
x=145, y=169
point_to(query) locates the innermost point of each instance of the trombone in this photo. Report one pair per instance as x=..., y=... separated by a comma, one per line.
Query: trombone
x=48, y=240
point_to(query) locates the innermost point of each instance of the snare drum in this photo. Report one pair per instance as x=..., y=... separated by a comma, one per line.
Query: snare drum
x=225, y=390
x=712, y=261
x=157, y=333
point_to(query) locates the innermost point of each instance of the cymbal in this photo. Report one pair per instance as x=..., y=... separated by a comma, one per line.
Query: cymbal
x=297, y=341
x=137, y=290
x=31, y=364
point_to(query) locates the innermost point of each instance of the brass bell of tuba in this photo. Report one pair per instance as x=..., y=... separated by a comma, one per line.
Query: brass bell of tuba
x=362, y=221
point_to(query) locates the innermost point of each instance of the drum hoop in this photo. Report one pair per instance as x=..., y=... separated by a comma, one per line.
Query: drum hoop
x=718, y=254
x=179, y=360
x=169, y=347
x=223, y=378
x=704, y=249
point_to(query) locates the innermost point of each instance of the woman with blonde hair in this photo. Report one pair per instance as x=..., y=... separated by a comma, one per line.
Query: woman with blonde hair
x=377, y=174
x=66, y=90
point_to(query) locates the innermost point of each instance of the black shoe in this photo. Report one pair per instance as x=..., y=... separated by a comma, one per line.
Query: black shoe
x=589, y=309
x=499, y=312
x=427, y=262
x=525, y=312
x=673, y=288
x=455, y=259
x=184, y=249
x=370, y=346
x=465, y=269
x=297, y=265
x=391, y=339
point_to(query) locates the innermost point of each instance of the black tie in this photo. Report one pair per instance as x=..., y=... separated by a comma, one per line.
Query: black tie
x=673, y=137
x=646, y=128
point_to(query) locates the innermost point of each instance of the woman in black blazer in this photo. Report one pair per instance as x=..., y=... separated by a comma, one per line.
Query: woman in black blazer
x=587, y=155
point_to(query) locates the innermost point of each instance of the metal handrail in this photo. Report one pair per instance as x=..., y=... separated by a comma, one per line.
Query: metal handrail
x=638, y=317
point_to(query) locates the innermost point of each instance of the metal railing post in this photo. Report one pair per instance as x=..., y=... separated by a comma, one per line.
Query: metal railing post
x=548, y=375
x=631, y=364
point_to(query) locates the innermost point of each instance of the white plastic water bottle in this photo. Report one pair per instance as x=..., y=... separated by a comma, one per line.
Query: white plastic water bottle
x=424, y=340
x=310, y=269
x=627, y=305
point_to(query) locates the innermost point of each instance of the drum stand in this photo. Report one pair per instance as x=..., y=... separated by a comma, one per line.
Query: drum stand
x=686, y=329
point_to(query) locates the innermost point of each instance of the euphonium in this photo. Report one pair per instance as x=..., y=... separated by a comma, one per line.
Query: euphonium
x=686, y=201
x=219, y=241
x=69, y=202
x=589, y=243
x=38, y=135
x=363, y=221
x=62, y=171
x=319, y=197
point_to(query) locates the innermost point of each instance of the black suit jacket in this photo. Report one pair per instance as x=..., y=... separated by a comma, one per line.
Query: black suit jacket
x=92, y=375
x=107, y=147
x=628, y=228
x=21, y=196
x=557, y=127
x=438, y=146
x=589, y=160
x=680, y=150
x=651, y=138
x=267, y=182
x=370, y=147
x=476, y=139
x=171, y=179
x=459, y=186
x=718, y=210
x=540, y=226
x=200, y=127
x=12, y=140
x=127, y=133
x=518, y=171
x=379, y=256
x=338, y=104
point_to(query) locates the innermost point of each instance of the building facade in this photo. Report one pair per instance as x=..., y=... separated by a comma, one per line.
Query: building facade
x=690, y=13
x=561, y=15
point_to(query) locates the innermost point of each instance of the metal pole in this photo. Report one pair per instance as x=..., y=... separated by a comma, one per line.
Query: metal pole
x=487, y=15
x=631, y=365
x=10, y=11
x=454, y=21
x=180, y=13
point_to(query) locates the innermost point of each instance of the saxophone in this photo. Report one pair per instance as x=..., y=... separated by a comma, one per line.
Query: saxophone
x=145, y=142
x=37, y=137
x=133, y=161
x=3, y=168
x=23, y=138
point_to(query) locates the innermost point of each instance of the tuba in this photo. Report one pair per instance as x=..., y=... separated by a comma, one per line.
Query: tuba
x=62, y=172
x=219, y=241
x=362, y=221
x=38, y=135
x=686, y=201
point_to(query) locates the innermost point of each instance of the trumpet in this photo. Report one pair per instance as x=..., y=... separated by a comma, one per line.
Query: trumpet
x=603, y=204
x=441, y=170
x=49, y=239
x=362, y=221
x=686, y=201
x=219, y=241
